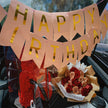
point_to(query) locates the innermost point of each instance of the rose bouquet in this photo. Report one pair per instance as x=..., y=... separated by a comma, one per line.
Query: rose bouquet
x=76, y=82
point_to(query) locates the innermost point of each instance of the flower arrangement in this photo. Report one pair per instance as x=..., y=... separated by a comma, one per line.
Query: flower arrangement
x=76, y=82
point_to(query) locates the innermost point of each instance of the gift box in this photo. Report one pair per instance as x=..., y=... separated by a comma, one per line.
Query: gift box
x=43, y=98
x=41, y=91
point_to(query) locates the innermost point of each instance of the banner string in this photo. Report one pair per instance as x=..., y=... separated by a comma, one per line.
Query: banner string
x=100, y=2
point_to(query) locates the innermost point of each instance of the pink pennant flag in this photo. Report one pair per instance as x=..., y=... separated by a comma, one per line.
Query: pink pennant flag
x=104, y=23
x=95, y=37
x=53, y=51
x=92, y=19
x=85, y=46
x=43, y=24
x=70, y=50
x=76, y=19
x=60, y=25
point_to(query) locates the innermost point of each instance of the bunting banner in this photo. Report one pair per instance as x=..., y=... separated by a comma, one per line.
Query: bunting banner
x=84, y=22
x=56, y=53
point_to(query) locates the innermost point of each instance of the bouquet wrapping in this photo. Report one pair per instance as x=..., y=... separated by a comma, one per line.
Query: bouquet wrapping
x=76, y=82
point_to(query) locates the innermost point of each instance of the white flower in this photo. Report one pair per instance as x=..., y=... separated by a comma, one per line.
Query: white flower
x=79, y=66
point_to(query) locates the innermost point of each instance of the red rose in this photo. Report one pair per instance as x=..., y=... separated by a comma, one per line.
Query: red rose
x=65, y=80
x=79, y=84
x=62, y=82
x=73, y=85
x=89, y=87
x=70, y=85
x=85, y=90
x=69, y=88
x=77, y=72
x=75, y=82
